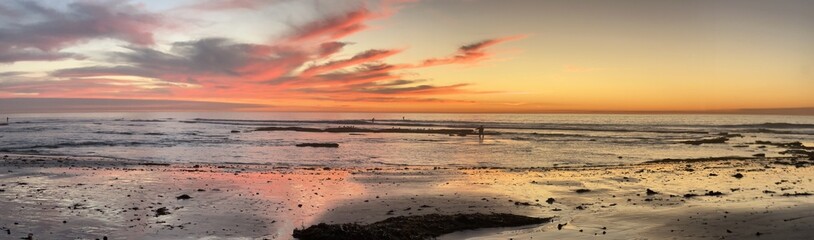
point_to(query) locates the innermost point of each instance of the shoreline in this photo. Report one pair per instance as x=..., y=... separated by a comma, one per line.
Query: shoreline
x=255, y=201
x=797, y=158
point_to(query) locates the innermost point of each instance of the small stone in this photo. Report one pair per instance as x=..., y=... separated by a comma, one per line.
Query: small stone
x=162, y=211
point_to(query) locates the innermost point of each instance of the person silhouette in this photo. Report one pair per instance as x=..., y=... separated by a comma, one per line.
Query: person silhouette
x=480, y=132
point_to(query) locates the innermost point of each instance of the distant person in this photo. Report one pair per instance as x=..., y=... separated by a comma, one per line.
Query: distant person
x=480, y=132
x=373, y=120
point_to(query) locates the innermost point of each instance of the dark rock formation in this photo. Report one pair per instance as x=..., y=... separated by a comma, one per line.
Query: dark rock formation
x=414, y=227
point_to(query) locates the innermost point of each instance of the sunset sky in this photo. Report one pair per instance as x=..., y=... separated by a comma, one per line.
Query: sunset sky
x=415, y=55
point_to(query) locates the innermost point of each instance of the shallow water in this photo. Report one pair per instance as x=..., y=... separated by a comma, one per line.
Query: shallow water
x=524, y=140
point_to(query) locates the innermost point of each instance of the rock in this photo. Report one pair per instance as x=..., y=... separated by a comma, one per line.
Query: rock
x=183, y=197
x=797, y=194
x=716, y=140
x=414, y=227
x=713, y=193
x=162, y=211
x=738, y=175
x=651, y=192
x=522, y=203
x=583, y=190
x=235, y=131
x=560, y=225
x=550, y=200
x=325, y=145
x=760, y=155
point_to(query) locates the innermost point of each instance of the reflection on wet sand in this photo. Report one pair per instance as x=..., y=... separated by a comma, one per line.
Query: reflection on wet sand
x=94, y=198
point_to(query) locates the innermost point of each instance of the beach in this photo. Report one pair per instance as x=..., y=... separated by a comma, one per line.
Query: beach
x=95, y=197
x=406, y=119
x=313, y=176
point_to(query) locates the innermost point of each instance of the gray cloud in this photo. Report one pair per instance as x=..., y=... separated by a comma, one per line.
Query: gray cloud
x=34, y=105
x=15, y=55
x=39, y=32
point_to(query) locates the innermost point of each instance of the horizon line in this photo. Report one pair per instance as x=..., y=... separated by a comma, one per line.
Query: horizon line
x=68, y=105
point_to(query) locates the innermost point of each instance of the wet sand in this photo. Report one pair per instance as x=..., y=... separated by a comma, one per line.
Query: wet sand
x=87, y=197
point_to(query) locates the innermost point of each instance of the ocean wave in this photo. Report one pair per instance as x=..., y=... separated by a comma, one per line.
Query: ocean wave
x=89, y=144
x=770, y=125
x=687, y=129
x=113, y=133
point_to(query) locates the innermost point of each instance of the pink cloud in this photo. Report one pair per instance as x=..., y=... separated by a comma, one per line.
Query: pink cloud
x=97, y=87
x=298, y=66
x=470, y=53
x=335, y=27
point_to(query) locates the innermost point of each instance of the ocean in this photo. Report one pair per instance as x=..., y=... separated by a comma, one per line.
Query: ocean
x=512, y=140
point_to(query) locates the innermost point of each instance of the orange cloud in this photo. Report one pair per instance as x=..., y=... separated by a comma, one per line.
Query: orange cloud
x=334, y=27
x=471, y=53
x=300, y=65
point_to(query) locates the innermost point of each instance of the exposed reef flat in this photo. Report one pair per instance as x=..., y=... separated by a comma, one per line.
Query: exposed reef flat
x=457, y=131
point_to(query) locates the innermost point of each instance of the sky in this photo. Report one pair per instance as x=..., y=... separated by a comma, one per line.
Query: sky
x=411, y=55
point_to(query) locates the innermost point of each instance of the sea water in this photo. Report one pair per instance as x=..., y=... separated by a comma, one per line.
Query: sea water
x=513, y=140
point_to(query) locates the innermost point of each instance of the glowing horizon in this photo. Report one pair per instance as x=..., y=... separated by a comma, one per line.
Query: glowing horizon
x=415, y=56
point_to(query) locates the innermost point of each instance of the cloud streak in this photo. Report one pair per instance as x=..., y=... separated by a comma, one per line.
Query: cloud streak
x=334, y=27
x=298, y=65
x=470, y=53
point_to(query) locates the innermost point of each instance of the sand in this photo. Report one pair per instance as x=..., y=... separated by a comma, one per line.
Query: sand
x=89, y=197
